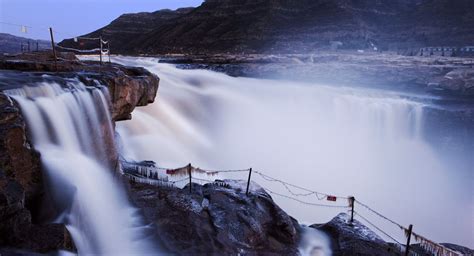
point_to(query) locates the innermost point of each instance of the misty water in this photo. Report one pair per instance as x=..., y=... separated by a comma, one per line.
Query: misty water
x=337, y=140
x=70, y=126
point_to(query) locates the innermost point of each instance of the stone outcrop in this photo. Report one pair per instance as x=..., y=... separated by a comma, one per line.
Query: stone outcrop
x=217, y=219
x=21, y=188
x=25, y=207
x=128, y=86
x=283, y=26
x=438, y=75
x=354, y=238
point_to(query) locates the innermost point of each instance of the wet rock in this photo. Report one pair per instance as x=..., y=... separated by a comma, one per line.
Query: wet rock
x=354, y=238
x=25, y=208
x=217, y=219
x=21, y=188
x=129, y=87
x=17, y=159
x=459, y=80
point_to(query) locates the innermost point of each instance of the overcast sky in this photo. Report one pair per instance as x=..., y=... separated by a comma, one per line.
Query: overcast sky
x=73, y=17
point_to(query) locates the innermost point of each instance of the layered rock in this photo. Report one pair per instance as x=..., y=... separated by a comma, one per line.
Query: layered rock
x=21, y=188
x=441, y=75
x=129, y=86
x=25, y=207
x=283, y=26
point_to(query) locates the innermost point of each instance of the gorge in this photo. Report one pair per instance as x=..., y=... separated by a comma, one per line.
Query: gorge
x=196, y=118
x=389, y=154
x=237, y=127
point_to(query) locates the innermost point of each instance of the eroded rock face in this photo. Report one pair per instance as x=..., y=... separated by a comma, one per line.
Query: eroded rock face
x=128, y=87
x=21, y=188
x=24, y=203
x=219, y=220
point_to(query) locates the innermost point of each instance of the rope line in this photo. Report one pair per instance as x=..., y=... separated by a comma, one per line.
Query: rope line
x=204, y=180
x=77, y=50
x=181, y=180
x=286, y=184
x=303, y=202
x=379, y=229
x=428, y=244
x=224, y=171
x=87, y=38
x=380, y=215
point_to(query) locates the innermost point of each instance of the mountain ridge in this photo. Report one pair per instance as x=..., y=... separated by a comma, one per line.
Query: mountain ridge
x=285, y=26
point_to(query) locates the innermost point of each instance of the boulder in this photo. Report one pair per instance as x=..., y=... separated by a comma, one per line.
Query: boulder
x=354, y=238
x=217, y=219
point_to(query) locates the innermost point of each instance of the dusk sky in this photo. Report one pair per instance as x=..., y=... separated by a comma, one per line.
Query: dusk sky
x=73, y=17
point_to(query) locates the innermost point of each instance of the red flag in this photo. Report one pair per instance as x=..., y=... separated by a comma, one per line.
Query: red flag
x=331, y=198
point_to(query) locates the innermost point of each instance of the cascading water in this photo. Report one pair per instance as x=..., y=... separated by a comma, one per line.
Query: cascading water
x=345, y=141
x=71, y=127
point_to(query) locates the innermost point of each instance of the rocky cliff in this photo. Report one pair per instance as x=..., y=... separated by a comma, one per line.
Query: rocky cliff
x=284, y=26
x=25, y=208
x=21, y=188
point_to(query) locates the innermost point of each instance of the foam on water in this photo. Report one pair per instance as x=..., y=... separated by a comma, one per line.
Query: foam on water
x=345, y=141
x=70, y=127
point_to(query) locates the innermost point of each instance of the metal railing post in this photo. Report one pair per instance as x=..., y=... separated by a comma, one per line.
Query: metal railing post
x=351, y=204
x=248, y=182
x=100, y=39
x=190, y=178
x=407, y=248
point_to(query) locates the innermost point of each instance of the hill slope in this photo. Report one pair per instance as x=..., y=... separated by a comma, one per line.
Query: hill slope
x=236, y=26
x=12, y=44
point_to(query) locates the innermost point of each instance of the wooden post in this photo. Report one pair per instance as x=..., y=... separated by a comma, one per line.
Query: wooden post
x=248, y=182
x=352, y=202
x=108, y=51
x=190, y=178
x=100, y=39
x=407, y=249
x=54, y=48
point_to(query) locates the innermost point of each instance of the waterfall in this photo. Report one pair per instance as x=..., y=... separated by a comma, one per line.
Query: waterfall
x=71, y=128
x=348, y=141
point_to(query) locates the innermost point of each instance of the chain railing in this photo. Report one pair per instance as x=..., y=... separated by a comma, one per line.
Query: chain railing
x=188, y=174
